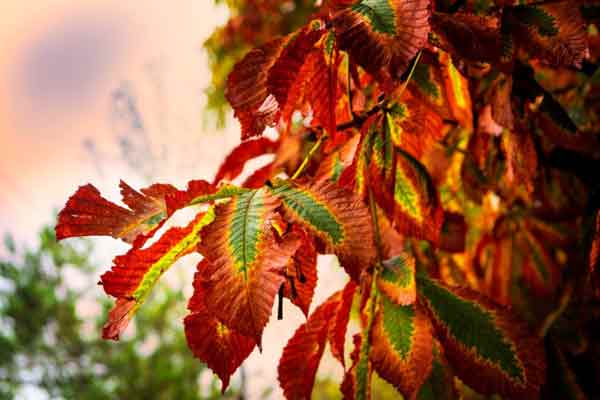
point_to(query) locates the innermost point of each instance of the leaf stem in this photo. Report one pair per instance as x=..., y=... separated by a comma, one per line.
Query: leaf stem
x=410, y=74
x=362, y=389
x=311, y=152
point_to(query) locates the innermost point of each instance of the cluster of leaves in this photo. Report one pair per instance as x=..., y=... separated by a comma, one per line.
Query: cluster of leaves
x=446, y=152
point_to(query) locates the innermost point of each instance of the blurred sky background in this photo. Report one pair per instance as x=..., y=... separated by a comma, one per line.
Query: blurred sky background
x=65, y=65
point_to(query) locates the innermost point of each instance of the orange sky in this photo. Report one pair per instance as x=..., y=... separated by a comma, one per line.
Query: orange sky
x=61, y=60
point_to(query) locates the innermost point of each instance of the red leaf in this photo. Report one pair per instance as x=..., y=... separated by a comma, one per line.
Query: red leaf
x=301, y=272
x=337, y=331
x=135, y=273
x=234, y=163
x=87, y=213
x=284, y=72
x=183, y=198
x=247, y=90
x=259, y=177
x=222, y=349
x=302, y=354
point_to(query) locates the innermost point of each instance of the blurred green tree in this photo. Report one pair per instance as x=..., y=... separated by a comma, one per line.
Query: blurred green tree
x=44, y=347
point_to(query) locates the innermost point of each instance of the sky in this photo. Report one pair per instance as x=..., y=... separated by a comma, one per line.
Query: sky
x=63, y=64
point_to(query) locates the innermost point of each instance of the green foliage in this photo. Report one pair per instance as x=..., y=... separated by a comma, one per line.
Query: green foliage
x=46, y=345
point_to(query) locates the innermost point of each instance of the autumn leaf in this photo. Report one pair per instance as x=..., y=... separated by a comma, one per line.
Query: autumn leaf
x=417, y=211
x=335, y=216
x=468, y=36
x=553, y=32
x=234, y=163
x=322, y=90
x=222, y=349
x=383, y=36
x=490, y=349
x=87, y=213
x=414, y=127
x=284, y=72
x=402, y=342
x=247, y=89
x=339, y=325
x=135, y=273
x=301, y=272
x=302, y=354
x=440, y=383
x=357, y=379
x=397, y=280
x=246, y=262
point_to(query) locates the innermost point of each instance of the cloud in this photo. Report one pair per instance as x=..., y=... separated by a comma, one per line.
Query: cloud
x=64, y=64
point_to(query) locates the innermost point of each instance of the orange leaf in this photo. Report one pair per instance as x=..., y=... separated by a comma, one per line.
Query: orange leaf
x=222, y=349
x=302, y=354
x=246, y=262
x=87, y=213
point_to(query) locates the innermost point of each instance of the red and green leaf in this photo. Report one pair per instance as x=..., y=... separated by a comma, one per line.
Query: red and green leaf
x=401, y=350
x=383, y=36
x=357, y=379
x=414, y=127
x=135, y=273
x=332, y=167
x=490, y=349
x=246, y=262
x=397, y=280
x=301, y=356
x=417, y=208
x=87, y=213
x=440, y=383
x=553, y=32
x=222, y=349
x=334, y=215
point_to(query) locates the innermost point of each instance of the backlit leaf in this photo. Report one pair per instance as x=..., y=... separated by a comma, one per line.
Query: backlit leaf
x=87, y=213
x=339, y=325
x=334, y=215
x=301, y=272
x=234, y=163
x=246, y=262
x=135, y=273
x=247, y=90
x=284, y=73
x=490, y=350
x=383, y=36
x=397, y=280
x=222, y=349
x=402, y=342
x=418, y=211
x=302, y=354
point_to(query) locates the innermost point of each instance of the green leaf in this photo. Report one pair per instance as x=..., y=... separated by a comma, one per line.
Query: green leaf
x=491, y=350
